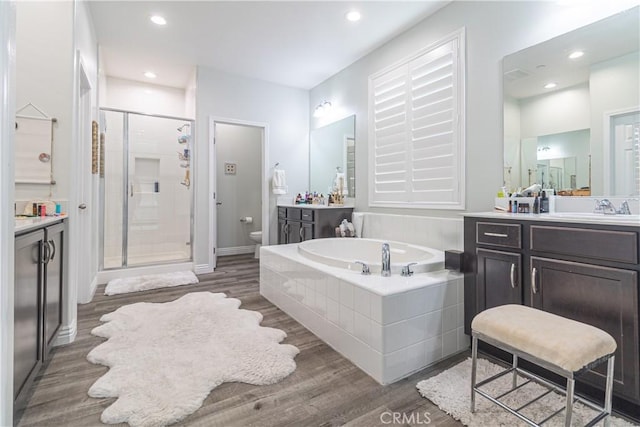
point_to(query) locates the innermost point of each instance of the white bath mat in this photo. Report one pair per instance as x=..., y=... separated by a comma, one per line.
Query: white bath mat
x=451, y=389
x=149, y=281
x=164, y=359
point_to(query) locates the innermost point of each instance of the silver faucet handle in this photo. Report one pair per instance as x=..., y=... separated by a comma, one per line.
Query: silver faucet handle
x=365, y=268
x=624, y=208
x=406, y=270
x=599, y=207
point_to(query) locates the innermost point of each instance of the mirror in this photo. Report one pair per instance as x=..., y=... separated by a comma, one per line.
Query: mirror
x=571, y=111
x=332, y=148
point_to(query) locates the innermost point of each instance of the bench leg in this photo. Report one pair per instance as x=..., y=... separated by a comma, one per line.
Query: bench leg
x=474, y=359
x=609, y=390
x=570, y=386
x=515, y=373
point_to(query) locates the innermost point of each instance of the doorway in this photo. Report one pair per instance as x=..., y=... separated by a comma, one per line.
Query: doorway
x=238, y=177
x=148, y=189
x=625, y=153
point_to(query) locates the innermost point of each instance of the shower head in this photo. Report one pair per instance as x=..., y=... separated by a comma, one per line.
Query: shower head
x=183, y=126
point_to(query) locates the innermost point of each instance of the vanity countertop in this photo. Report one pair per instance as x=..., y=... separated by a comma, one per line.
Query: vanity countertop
x=23, y=224
x=570, y=217
x=305, y=206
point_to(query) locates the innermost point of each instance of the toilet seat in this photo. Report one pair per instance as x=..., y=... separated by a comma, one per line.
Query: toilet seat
x=256, y=236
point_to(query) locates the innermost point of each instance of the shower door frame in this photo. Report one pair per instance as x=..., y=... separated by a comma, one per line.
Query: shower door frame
x=125, y=193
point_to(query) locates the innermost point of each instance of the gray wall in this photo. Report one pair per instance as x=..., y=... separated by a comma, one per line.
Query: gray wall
x=493, y=30
x=240, y=194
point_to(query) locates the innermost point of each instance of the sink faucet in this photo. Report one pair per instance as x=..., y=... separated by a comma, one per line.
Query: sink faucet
x=605, y=206
x=386, y=260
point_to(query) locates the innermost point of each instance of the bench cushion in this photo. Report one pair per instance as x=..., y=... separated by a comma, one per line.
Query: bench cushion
x=559, y=341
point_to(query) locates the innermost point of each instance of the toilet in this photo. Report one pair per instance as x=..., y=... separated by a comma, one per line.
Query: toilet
x=256, y=236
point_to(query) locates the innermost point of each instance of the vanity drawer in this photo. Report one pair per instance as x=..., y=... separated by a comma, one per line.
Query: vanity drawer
x=293, y=213
x=307, y=214
x=619, y=246
x=282, y=213
x=497, y=234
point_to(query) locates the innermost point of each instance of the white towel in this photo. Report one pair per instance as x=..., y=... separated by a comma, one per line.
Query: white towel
x=279, y=182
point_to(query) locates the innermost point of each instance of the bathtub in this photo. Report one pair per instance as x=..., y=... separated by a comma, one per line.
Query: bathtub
x=390, y=327
x=343, y=253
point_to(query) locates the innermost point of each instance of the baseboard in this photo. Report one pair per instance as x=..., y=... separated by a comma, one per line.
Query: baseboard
x=203, y=269
x=237, y=250
x=92, y=291
x=67, y=334
x=106, y=275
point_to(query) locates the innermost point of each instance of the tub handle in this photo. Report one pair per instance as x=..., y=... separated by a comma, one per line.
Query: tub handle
x=365, y=268
x=406, y=270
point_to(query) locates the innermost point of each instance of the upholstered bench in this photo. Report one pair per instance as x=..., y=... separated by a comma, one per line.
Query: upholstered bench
x=561, y=345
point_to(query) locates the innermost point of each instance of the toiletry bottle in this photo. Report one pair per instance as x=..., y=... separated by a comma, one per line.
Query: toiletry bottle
x=536, y=205
x=34, y=210
x=510, y=205
x=43, y=210
x=544, y=203
x=514, y=207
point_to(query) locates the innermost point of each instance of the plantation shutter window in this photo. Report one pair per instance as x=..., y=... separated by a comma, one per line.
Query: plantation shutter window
x=416, y=126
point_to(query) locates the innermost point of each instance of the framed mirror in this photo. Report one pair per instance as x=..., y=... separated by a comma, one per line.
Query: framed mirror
x=332, y=149
x=572, y=111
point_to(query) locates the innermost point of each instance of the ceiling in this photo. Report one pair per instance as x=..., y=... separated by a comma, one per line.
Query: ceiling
x=293, y=43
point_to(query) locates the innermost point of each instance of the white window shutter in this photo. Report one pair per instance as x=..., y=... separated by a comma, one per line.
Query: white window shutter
x=415, y=110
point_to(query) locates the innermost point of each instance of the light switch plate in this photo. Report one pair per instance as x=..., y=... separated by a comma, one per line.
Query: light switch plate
x=229, y=168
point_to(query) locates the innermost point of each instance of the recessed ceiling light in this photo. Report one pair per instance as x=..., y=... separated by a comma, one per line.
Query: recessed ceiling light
x=353, y=16
x=575, y=55
x=150, y=75
x=158, y=20
x=550, y=85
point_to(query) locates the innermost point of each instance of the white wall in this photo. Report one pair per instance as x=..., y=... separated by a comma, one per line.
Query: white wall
x=493, y=30
x=44, y=77
x=144, y=98
x=240, y=194
x=614, y=85
x=284, y=109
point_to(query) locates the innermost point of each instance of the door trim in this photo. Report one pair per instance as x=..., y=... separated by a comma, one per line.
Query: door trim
x=212, y=238
x=606, y=146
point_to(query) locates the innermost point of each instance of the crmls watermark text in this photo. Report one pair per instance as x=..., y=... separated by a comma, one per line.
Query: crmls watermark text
x=389, y=417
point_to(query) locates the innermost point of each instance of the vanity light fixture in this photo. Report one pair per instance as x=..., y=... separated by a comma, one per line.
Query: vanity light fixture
x=322, y=109
x=150, y=75
x=353, y=16
x=158, y=20
x=550, y=85
x=576, y=54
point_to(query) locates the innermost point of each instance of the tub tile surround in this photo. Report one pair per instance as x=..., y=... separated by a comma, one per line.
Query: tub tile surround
x=433, y=232
x=387, y=332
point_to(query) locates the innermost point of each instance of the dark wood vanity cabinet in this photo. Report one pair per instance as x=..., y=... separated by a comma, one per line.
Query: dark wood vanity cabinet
x=297, y=224
x=585, y=272
x=38, y=287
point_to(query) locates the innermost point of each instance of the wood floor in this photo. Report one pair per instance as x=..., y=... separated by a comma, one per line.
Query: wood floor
x=325, y=390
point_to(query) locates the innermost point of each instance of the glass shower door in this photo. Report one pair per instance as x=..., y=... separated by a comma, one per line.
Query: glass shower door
x=159, y=208
x=147, y=190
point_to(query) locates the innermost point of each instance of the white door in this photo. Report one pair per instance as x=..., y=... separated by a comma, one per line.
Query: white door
x=81, y=213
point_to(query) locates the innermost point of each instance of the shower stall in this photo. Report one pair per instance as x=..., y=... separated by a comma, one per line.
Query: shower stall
x=146, y=189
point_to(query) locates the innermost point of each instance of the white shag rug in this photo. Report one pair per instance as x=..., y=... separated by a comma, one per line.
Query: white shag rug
x=149, y=281
x=451, y=391
x=165, y=358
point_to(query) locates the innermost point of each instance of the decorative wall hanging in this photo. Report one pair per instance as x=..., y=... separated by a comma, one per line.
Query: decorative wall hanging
x=94, y=147
x=34, y=147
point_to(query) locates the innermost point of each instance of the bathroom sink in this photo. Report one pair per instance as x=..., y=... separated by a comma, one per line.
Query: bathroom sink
x=596, y=216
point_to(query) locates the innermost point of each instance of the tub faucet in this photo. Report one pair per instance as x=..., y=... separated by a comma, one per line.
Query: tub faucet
x=386, y=260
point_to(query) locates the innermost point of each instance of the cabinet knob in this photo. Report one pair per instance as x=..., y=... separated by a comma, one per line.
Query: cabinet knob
x=82, y=206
